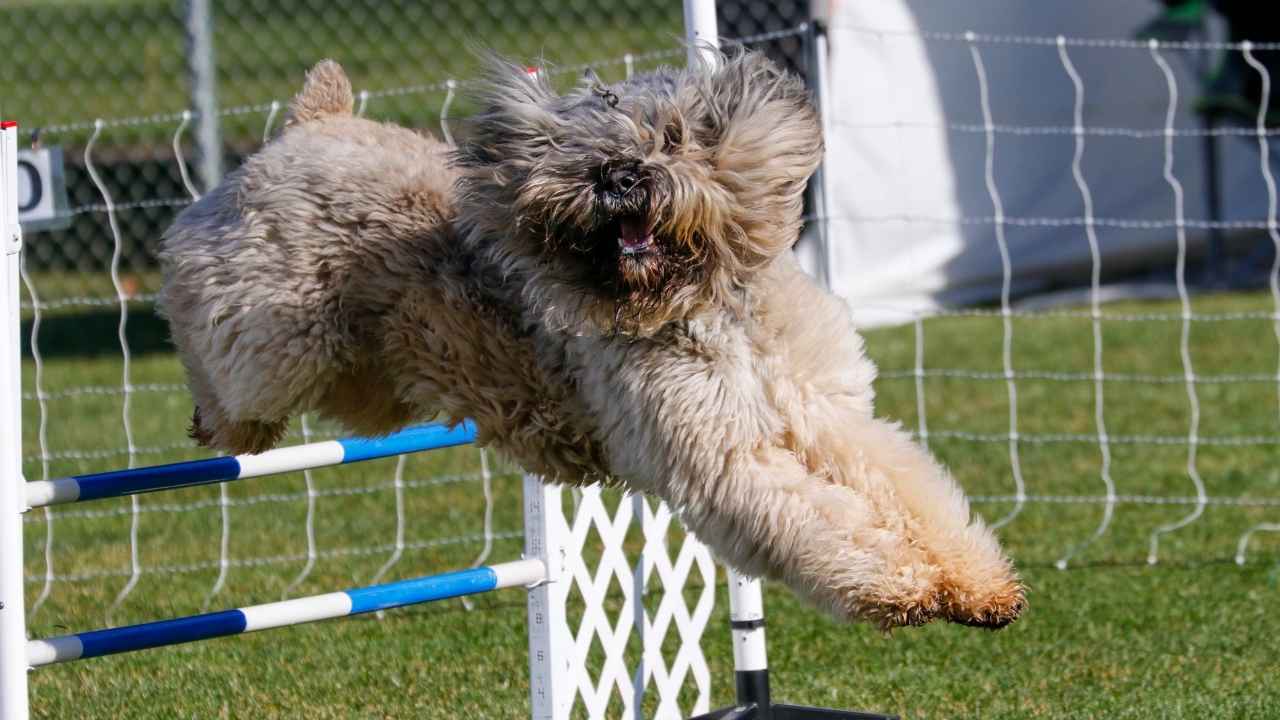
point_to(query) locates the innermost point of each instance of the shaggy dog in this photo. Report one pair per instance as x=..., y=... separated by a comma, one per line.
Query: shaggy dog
x=602, y=281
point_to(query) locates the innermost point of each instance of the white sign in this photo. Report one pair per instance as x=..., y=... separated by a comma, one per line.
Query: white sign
x=42, y=191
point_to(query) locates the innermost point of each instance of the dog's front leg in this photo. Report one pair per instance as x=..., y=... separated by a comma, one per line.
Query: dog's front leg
x=916, y=499
x=693, y=427
x=767, y=514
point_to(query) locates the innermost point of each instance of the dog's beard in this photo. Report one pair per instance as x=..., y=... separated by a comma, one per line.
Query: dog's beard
x=629, y=261
x=640, y=259
x=622, y=257
x=622, y=272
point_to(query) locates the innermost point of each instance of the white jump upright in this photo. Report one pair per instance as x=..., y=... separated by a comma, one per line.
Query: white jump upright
x=13, y=625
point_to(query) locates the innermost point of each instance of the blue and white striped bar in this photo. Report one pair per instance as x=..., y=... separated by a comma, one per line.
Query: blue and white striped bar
x=96, y=643
x=117, y=483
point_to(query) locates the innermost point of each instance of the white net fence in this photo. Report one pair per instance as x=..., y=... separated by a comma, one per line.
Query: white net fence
x=1106, y=434
x=1129, y=433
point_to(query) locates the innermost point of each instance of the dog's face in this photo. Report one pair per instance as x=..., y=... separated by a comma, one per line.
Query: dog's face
x=634, y=203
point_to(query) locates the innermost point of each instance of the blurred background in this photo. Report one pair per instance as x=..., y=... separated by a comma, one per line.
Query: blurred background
x=136, y=64
x=1096, y=362
x=76, y=62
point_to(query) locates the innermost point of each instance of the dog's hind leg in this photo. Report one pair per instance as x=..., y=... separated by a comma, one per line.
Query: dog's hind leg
x=210, y=424
x=260, y=332
x=254, y=356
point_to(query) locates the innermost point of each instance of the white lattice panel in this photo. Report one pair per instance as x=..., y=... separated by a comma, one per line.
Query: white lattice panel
x=618, y=592
x=673, y=612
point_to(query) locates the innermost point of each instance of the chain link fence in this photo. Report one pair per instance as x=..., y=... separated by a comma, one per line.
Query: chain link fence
x=129, y=63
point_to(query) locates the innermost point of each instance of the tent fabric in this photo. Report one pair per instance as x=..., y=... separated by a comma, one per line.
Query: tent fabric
x=913, y=221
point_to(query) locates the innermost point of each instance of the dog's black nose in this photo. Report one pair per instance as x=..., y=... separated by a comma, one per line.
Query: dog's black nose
x=621, y=180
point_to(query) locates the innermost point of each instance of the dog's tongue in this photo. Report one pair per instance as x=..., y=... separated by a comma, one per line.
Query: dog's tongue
x=634, y=237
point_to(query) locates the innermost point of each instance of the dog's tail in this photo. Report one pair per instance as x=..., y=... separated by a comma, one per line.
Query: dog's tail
x=326, y=92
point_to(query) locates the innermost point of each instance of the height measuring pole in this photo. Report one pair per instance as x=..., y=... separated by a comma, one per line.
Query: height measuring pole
x=551, y=681
x=13, y=626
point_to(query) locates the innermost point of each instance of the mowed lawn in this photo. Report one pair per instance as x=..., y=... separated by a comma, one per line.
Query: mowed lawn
x=1110, y=636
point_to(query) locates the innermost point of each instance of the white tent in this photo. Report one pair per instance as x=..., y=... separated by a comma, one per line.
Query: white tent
x=913, y=219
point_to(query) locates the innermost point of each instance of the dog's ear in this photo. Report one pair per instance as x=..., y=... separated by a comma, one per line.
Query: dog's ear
x=765, y=139
x=759, y=113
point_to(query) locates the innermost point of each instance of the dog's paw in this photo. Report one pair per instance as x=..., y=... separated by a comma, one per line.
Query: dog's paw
x=238, y=438
x=907, y=615
x=992, y=610
x=197, y=430
x=992, y=607
x=908, y=599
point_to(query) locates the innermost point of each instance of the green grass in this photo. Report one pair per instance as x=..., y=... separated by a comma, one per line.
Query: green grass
x=1109, y=637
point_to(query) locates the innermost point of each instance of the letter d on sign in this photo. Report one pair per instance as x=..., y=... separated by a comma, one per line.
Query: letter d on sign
x=42, y=190
x=30, y=187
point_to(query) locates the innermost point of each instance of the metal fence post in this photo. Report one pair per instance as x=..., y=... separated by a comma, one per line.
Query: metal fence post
x=816, y=42
x=202, y=71
x=13, y=627
x=701, y=30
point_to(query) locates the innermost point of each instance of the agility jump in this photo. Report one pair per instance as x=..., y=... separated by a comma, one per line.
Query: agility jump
x=753, y=418
x=354, y=601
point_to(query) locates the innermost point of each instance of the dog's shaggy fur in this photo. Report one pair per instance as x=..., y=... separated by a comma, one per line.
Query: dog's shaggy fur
x=602, y=280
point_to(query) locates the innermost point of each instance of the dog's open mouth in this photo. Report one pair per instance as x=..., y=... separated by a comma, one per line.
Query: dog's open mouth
x=634, y=237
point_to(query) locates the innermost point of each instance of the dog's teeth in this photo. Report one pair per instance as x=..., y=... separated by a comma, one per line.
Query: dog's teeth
x=632, y=243
x=635, y=248
x=633, y=237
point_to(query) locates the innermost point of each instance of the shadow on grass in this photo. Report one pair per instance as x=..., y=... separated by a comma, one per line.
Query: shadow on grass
x=95, y=333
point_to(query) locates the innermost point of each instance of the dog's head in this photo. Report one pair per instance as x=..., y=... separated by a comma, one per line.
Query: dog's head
x=634, y=203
